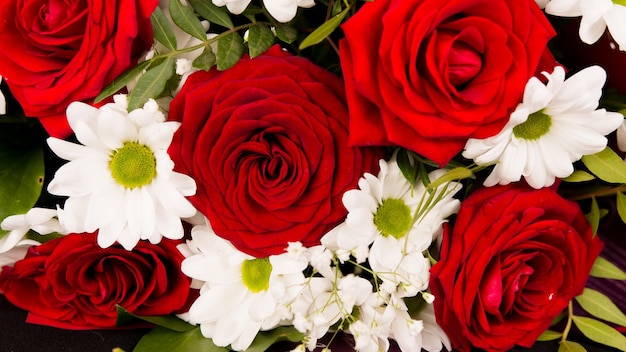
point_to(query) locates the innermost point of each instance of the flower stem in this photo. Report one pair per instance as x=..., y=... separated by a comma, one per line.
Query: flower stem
x=568, y=325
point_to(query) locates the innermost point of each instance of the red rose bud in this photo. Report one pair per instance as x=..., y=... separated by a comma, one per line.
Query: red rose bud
x=70, y=282
x=65, y=51
x=266, y=142
x=513, y=261
x=428, y=75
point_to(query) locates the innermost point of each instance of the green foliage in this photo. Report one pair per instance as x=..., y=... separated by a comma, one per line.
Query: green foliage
x=602, y=268
x=162, y=29
x=229, y=50
x=206, y=60
x=265, y=339
x=21, y=179
x=165, y=340
x=579, y=176
x=607, y=165
x=260, y=38
x=407, y=165
x=212, y=13
x=570, y=346
x=185, y=18
x=549, y=335
x=286, y=33
x=621, y=206
x=324, y=30
x=600, y=306
x=122, y=81
x=169, y=322
x=594, y=216
x=600, y=332
x=458, y=173
x=151, y=83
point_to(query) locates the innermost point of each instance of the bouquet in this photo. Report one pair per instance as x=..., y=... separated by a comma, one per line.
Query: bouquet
x=309, y=175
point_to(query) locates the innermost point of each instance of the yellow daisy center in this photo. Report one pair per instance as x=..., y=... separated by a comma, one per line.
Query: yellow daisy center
x=133, y=165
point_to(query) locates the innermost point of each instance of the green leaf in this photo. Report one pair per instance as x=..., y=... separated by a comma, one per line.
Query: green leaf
x=286, y=33
x=212, y=13
x=600, y=306
x=151, y=84
x=408, y=169
x=265, y=339
x=206, y=60
x=260, y=38
x=164, y=340
x=122, y=81
x=21, y=180
x=170, y=322
x=607, y=165
x=600, y=332
x=621, y=206
x=579, y=176
x=162, y=29
x=458, y=173
x=324, y=30
x=604, y=269
x=229, y=50
x=594, y=216
x=186, y=19
x=570, y=346
x=549, y=335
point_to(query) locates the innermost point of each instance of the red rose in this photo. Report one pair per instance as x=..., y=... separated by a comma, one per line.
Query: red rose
x=72, y=282
x=514, y=260
x=427, y=75
x=64, y=51
x=266, y=142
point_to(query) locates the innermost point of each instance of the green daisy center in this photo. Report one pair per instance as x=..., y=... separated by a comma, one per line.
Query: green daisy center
x=620, y=2
x=393, y=218
x=133, y=165
x=255, y=274
x=537, y=124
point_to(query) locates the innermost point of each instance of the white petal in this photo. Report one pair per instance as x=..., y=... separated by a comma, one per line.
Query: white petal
x=217, y=302
x=67, y=150
x=114, y=128
x=104, y=205
x=262, y=306
x=564, y=8
x=158, y=136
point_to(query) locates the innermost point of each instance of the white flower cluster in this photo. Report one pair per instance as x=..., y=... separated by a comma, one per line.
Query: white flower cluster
x=597, y=16
x=390, y=226
x=281, y=10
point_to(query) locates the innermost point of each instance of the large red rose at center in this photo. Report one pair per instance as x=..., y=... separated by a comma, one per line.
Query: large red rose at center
x=267, y=143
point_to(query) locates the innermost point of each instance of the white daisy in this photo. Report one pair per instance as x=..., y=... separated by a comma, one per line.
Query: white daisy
x=40, y=220
x=285, y=10
x=240, y=295
x=120, y=181
x=397, y=221
x=554, y=126
x=325, y=301
x=421, y=332
x=234, y=6
x=597, y=15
